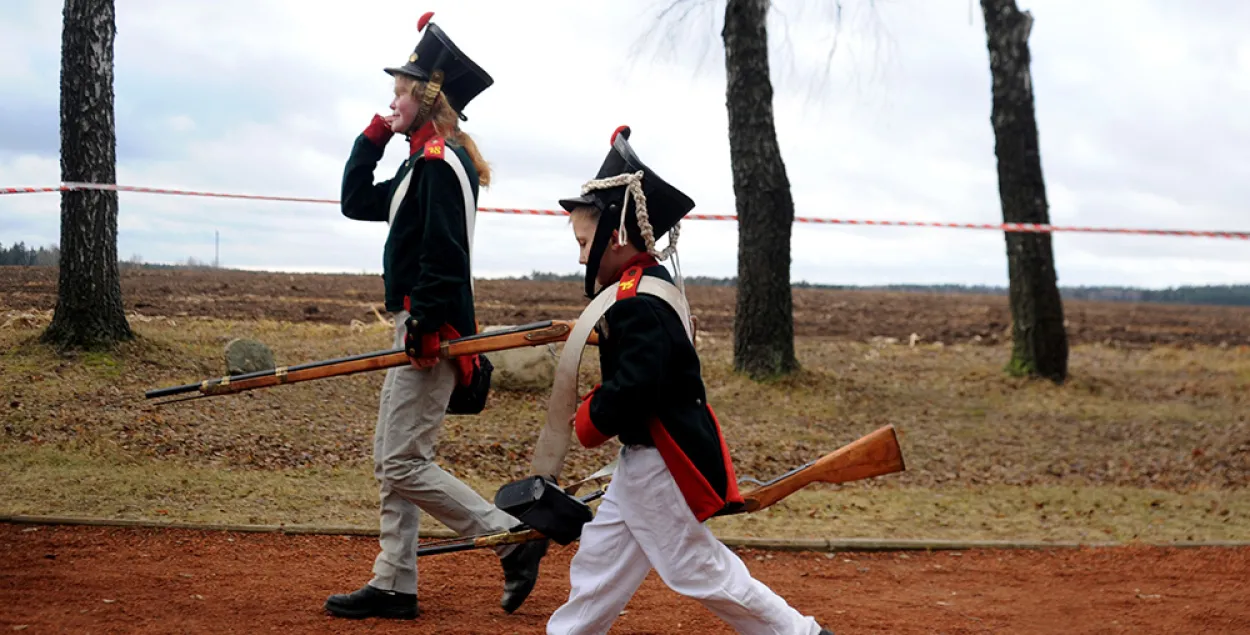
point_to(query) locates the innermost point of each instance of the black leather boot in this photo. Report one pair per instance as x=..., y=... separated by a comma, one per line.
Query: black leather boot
x=368, y=601
x=520, y=573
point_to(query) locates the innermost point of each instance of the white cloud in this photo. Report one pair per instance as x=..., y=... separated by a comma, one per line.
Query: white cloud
x=181, y=123
x=1139, y=108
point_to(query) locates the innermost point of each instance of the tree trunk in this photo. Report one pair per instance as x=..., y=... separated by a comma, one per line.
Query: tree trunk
x=1040, y=344
x=89, y=312
x=764, y=322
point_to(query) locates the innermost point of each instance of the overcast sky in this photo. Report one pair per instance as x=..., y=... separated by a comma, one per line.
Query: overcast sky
x=1142, y=108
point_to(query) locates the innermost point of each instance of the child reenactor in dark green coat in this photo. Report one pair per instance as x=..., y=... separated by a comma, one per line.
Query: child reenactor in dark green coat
x=674, y=469
x=430, y=206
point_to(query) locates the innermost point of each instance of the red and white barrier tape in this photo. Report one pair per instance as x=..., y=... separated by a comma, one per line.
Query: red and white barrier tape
x=70, y=187
x=1005, y=227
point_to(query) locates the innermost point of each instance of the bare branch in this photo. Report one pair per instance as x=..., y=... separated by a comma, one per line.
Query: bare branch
x=837, y=30
x=676, y=33
x=786, y=49
x=674, y=28
x=882, y=42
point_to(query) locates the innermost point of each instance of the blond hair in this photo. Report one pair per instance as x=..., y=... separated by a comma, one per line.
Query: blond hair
x=447, y=125
x=589, y=211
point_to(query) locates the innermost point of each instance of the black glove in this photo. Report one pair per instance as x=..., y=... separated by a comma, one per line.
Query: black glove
x=422, y=348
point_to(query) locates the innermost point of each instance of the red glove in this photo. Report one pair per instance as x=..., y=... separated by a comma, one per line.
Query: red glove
x=422, y=348
x=379, y=131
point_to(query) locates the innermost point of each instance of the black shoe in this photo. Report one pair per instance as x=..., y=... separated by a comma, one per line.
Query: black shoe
x=368, y=601
x=825, y=631
x=520, y=573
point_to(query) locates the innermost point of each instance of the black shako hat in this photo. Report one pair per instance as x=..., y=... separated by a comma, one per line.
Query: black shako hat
x=662, y=204
x=461, y=78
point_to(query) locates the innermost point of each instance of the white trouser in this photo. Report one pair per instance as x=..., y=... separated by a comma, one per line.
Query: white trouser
x=644, y=522
x=410, y=414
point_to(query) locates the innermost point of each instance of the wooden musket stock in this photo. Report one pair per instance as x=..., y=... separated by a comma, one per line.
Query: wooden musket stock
x=874, y=454
x=533, y=334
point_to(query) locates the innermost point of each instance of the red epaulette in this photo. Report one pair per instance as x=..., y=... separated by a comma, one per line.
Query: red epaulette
x=629, y=283
x=434, y=149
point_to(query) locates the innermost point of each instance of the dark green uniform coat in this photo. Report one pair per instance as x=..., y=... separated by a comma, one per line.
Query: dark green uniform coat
x=426, y=257
x=652, y=394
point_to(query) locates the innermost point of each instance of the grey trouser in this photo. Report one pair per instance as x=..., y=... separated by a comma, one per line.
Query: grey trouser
x=410, y=414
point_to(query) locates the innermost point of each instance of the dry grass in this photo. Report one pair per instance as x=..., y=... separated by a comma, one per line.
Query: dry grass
x=1152, y=444
x=44, y=481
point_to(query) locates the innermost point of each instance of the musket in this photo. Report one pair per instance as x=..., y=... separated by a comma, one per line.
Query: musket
x=533, y=334
x=874, y=454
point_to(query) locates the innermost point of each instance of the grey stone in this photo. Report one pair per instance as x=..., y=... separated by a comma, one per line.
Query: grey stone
x=247, y=356
x=528, y=369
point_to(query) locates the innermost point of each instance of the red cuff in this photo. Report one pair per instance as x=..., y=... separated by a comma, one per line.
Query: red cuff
x=379, y=132
x=429, y=344
x=587, y=434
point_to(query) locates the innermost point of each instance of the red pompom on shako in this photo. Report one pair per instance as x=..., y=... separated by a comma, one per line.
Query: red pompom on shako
x=463, y=79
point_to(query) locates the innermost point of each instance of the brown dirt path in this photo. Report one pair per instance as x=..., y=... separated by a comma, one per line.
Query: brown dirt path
x=111, y=580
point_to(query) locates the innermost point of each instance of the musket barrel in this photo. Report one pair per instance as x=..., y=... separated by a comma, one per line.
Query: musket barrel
x=433, y=550
x=532, y=334
x=172, y=390
x=208, y=384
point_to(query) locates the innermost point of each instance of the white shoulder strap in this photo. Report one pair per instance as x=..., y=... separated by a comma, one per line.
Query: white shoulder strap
x=671, y=296
x=397, y=198
x=553, y=440
x=466, y=189
x=470, y=205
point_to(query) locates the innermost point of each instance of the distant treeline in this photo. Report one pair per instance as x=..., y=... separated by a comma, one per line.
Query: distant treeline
x=21, y=255
x=1231, y=295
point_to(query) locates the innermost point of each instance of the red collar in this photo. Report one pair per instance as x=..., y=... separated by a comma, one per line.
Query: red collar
x=416, y=143
x=642, y=260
